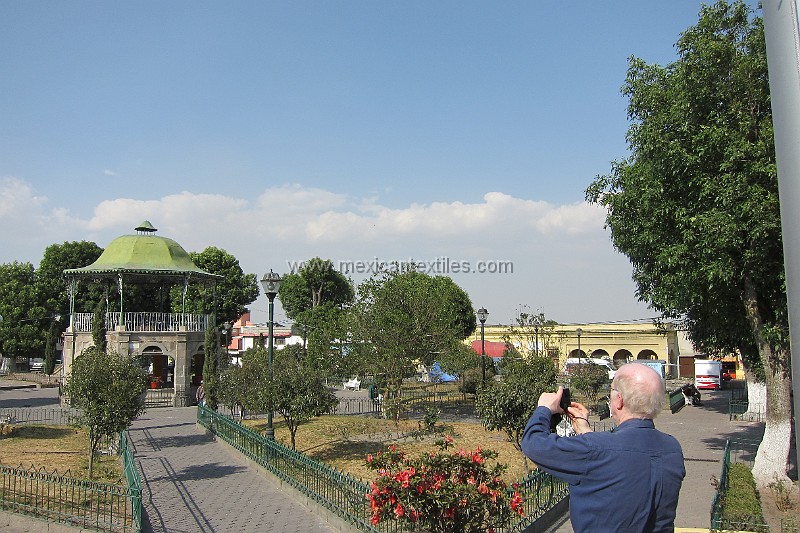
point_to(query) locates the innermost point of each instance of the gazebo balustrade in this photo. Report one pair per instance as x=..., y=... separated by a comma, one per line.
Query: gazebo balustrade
x=144, y=322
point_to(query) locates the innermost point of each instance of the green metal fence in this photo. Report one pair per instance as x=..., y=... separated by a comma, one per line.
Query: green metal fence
x=77, y=502
x=132, y=479
x=345, y=495
x=67, y=500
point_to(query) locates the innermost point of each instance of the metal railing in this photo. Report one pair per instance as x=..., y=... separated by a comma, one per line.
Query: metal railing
x=345, y=495
x=58, y=416
x=67, y=500
x=145, y=321
x=64, y=499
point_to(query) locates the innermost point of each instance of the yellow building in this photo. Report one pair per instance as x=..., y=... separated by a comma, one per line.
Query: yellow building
x=619, y=342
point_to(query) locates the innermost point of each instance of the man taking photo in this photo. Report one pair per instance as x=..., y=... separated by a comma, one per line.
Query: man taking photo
x=625, y=480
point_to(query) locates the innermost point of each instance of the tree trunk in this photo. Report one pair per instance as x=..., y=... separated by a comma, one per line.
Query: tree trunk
x=773, y=453
x=756, y=397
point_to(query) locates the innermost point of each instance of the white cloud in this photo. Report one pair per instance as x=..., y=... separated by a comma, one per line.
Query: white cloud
x=109, y=172
x=562, y=258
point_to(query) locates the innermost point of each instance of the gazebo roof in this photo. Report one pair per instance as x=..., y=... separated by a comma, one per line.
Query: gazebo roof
x=143, y=254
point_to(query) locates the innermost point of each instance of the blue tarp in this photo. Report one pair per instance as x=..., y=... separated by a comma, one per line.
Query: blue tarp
x=437, y=374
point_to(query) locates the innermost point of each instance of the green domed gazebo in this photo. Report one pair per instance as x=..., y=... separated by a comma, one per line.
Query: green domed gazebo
x=170, y=344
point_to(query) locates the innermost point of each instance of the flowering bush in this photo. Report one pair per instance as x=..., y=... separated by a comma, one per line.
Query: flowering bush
x=442, y=491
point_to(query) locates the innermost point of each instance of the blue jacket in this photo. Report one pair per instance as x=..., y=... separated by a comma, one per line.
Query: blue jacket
x=626, y=480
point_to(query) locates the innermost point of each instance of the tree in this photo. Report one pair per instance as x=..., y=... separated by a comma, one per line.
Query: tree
x=54, y=292
x=25, y=318
x=316, y=298
x=107, y=389
x=297, y=390
x=233, y=293
x=459, y=361
x=211, y=367
x=507, y=406
x=533, y=334
x=401, y=320
x=315, y=283
x=588, y=378
x=695, y=207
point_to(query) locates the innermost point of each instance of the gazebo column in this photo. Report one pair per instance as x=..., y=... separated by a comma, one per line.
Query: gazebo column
x=183, y=371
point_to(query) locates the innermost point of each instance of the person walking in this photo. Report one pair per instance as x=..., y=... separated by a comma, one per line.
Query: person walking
x=201, y=395
x=625, y=480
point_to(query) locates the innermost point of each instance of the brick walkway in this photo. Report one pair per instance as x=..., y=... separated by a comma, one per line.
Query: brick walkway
x=191, y=483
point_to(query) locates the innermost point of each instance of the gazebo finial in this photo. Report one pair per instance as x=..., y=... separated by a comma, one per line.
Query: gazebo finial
x=146, y=227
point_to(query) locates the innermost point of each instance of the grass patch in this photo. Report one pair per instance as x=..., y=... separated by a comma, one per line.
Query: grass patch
x=343, y=442
x=59, y=448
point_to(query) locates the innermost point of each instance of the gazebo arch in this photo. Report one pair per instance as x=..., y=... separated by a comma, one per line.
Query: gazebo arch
x=144, y=262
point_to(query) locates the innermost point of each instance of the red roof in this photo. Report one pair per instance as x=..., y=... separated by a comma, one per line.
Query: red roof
x=492, y=348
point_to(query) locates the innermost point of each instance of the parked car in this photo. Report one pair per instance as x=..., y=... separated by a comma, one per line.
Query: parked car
x=36, y=364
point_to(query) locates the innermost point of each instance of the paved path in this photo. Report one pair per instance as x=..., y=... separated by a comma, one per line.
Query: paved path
x=191, y=483
x=702, y=432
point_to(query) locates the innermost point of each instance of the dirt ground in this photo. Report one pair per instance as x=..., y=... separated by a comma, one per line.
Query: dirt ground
x=780, y=505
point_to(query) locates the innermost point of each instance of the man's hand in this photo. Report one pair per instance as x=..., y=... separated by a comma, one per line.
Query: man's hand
x=551, y=400
x=579, y=416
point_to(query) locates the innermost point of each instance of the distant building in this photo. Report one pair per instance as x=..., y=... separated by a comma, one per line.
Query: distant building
x=246, y=335
x=618, y=342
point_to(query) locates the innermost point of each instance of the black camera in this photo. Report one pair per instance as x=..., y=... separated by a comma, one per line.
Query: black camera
x=565, y=402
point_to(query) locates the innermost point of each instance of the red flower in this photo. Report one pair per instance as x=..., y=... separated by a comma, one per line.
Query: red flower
x=483, y=489
x=415, y=515
x=399, y=511
x=517, y=504
x=369, y=457
x=375, y=519
x=450, y=512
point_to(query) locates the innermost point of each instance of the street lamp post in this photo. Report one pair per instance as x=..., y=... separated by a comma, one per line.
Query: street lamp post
x=536, y=334
x=483, y=314
x=271, y=283
x=580, y=354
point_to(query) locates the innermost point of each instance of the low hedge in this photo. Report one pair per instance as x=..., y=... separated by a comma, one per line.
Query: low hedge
x=742, y=505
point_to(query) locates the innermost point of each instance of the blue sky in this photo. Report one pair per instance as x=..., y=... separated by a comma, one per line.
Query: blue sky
x=280, y=131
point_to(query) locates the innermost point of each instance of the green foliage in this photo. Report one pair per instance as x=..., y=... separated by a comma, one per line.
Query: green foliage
x=25, y=318
x=316, y=282
x=232, y=294
x=460, y=360
x=507, y=406
x=472, y=379
x=297, y=390
x=742, y=504
x=294, y=389
x=695, y=208
x=53, y=290
x=402, y=319
x=317, y=297
x=590, y=379
x=442, y=491
x=211, y=368
x=99, y=328
x=108, y=390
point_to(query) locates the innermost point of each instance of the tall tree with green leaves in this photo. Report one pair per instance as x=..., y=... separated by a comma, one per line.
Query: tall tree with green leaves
x=403, y=319
x=25, y=317
x=231, y=296
x=507, y=406
x=107, y=390
x=695, y=206
x=53, y=289
x=316, y=297
x=211, y=367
